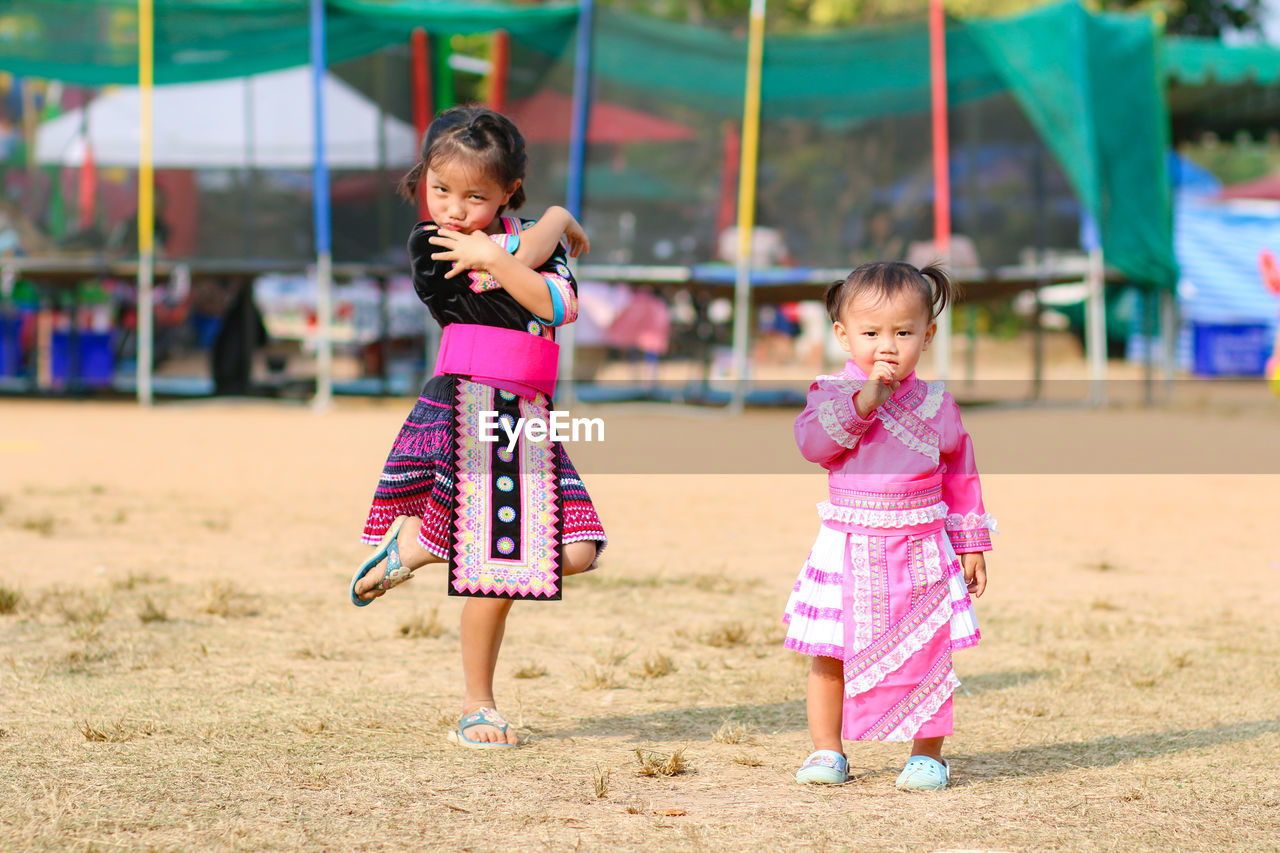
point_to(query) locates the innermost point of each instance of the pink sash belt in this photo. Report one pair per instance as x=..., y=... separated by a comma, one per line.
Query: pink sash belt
x=508, y=359
x=866, y=505
x=891, y=497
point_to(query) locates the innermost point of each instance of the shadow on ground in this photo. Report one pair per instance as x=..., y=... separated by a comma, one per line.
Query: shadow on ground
x=686, y=723
x=774, y=718
x=1042, y=759
x=1000, y=680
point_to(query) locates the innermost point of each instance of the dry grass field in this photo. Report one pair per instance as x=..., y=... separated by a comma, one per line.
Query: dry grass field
x=180, y=668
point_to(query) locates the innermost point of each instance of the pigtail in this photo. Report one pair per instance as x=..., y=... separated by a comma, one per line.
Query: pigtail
x=517, y=198
x=408, y=186
x=943, y=290
x=835, y=291
x=883, y=279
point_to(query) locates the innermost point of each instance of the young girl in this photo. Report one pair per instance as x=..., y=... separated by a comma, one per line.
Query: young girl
x=883, y=598
x=509, y=522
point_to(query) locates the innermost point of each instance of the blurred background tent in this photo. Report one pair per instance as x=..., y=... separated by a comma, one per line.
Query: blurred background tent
x=1224, y=89
x=1082, y=87
x=845, y=117
x=1231, y=318
x=244, y=66
x=95, y=42
x=1266, y=187
x=1057, y=115
x=1220, y=233
x=264, y=121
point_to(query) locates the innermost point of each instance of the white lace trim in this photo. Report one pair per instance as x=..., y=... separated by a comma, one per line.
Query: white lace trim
x=907, y=729
x=860, y=578
x=934, y=570
x=932, y=400
x=831, y=423
x=841, y=383
x=828, y=511
x=908, y=438
x=901, y=653
x=929, y=406
x=971, y=521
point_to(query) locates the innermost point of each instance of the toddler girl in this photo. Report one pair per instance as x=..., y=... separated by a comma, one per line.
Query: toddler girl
x=883, y=598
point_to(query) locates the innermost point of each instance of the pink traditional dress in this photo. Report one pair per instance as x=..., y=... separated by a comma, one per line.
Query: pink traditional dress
x=883, y=588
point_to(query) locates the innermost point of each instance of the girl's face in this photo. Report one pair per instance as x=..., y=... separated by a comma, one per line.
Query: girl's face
x=894, y=330
x=464, y=199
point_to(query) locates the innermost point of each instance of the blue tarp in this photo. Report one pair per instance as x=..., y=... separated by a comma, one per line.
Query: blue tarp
x=1217, y=246
x=1229, y=317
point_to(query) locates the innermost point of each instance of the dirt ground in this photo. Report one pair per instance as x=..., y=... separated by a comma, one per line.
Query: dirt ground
x=180, y=667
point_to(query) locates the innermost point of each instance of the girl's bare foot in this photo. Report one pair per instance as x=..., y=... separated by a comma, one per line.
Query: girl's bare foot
x=482, y=732
x=412, y=556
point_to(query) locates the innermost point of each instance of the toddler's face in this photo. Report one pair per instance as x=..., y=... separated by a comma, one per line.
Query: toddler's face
x=894, y=330
x=464, y=199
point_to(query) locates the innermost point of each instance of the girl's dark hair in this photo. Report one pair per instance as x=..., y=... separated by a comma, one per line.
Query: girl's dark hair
x=886, y=279
x=487, y=139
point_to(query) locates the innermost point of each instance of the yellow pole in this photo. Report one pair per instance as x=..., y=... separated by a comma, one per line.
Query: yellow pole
x=747, y=201
x=146, y=197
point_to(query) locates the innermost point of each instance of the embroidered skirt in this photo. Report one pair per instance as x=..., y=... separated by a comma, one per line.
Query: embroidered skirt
x=500, y=517
x=892, y=605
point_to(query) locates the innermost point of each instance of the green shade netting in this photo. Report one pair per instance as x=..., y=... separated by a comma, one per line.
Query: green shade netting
x=464, y=16
x=835, y=77
x=95, y=42
x=1195, y=60
x=1088, y=83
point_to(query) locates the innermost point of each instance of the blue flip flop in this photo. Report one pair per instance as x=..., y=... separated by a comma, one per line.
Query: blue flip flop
x=483, y=717
x=388, y=549
x=824, y=767
x=923, y=773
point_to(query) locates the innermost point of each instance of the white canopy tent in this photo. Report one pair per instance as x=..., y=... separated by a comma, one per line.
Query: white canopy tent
x=265, y=121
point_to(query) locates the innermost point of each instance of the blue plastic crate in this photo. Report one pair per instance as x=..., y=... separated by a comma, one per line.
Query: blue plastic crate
x=97, y=359
x=10, y=346
x=1234, y=349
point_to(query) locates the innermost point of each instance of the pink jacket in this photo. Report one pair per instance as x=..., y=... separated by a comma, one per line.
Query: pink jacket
x=914, y=438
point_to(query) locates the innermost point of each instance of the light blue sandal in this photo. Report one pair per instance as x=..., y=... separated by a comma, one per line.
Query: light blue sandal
x=924, y=774
x=824, y=767
x=483, y=717
x=388, y=549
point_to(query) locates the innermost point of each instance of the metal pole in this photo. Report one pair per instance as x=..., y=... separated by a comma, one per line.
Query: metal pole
x=1169, y=340
x=1042, y=273
x=747, y=203
x=500, y=53
x=384, y=214
x=577, y=167
x=581, y=109
x=320, y=202
x=1149, y=320
x=1096, y=329
x=423, y=109
x=384, y=183
x=146, y=200
x=250, y=169
x=941, y=173
x=423, y=102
